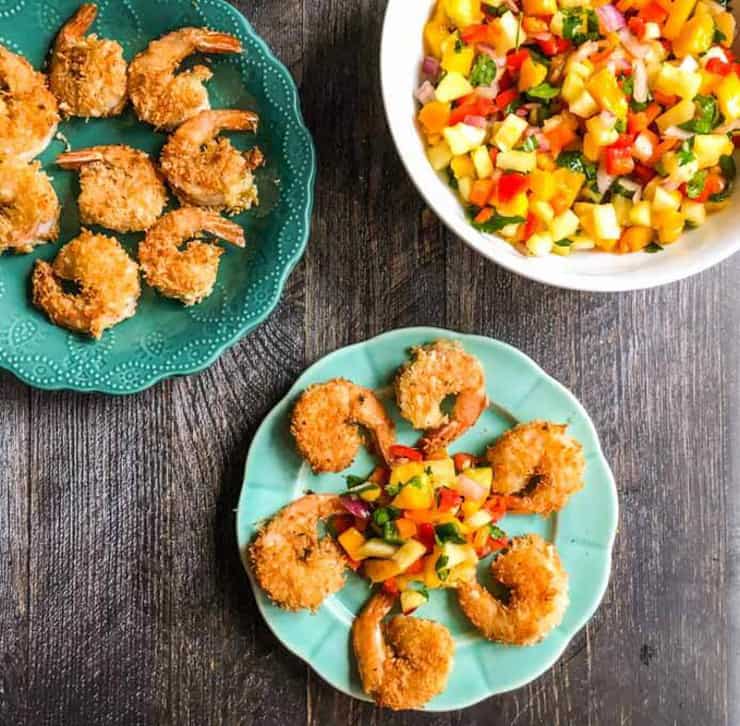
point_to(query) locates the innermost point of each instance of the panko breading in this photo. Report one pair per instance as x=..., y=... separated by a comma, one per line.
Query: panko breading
x=436, y=371
x=404, y=662
x=87, y=74
x=326, y=420
x=187, y=274
x=207, y=171
x=120, y=187
x=537, y=599
x=159, y=95
x=292, y=565
x=29, y=208
x=28, y=109
x=108, y=281
x=539, y=465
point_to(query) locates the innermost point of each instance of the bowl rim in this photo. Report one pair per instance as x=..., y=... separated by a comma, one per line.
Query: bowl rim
x=613, y=282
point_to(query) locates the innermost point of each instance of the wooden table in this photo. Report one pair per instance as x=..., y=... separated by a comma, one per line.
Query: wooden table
x=122, y=597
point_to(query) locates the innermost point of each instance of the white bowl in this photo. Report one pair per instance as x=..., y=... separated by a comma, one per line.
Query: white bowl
x=401, y=55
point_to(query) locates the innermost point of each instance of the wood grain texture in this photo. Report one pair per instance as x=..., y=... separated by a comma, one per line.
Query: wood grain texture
x=122, y=597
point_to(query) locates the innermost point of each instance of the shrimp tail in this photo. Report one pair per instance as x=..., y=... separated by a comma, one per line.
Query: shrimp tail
x=225, y=230
x=79, y=23
x=76, y=159
x=214, y=42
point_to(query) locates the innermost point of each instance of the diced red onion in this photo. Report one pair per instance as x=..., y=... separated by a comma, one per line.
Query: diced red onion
x=611, y=19
x=430, y=67
x=674, y=132
x=540, y=36
x=477, y=121
x=585, y=50
x=639, y=76
x=637, y=49
x=356, y=507
x=603, y=180
x=522, y=111
x=425, y=93
x=470, y=488
x=542, y=141
x=488, y=91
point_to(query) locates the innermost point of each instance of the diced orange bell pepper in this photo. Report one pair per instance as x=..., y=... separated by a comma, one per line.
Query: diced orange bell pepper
x=481, y=192
x=406, y=528
x=434, y=117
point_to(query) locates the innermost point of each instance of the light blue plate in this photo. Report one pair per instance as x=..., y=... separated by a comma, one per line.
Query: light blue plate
x=164, y=338
x=584, y=532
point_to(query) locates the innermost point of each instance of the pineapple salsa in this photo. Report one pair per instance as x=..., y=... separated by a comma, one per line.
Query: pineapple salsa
x=577, y=124
x=421, y=525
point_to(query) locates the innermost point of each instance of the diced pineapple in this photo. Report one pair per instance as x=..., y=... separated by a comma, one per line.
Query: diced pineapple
x=677, y=171
x=441, y=472
x=462, y=166
x=482, y=162
x=542, y=210
x=508, y=134
x=464, y=12
x=682, y=112
x=564, y=225
x=481, y=518
x=439, y=155
x=591, y=149
x=461, y=573
x=436, y=31
x=401, y=473
x=568, y=184
x=352, y=540
x=412, y=600
x=376, y=547
x=709, y=147
x=463, y=138
x=417, y=494
x=542, y=184
x=607, y=93
x=670, y=224
x=674, y=81
x=695, y=37
x=709, y=81
x=470, y=507
x=573, y=86
x=584, y=106
x=652, y=31
x=640, y=214
x=665, y=200
x=677, y=17
x=482, y=475
x=695, y=213
x=556, y=24
x=458, y=61
x=583, y=68
x=510, y=32
x=381, y=570
x=453, y=86
x=622, y=207
x=606, y=225
x=581, y=242
x=540, y=7
x=728, y=95
x=540, y=244
x=523, y=161
x=517, y=206
x=604, y=133
x=464, y=187
x=409, y=553
x=531, y=74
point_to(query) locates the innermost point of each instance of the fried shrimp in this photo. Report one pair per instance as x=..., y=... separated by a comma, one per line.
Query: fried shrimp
x=292, y=565
x=436, y=371
x=28, y=109
x=187, y=274
x=108, y=281
x=539, y=465
x=405, y=662
x=162, y=98
x=208, y=171
x=119, y=187
x=87, y=74
x=537, y=594
x=325, y=424
x=29, y=208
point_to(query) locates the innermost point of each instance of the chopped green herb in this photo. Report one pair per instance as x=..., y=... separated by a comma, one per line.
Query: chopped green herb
x=440, y=567
x=564, y=242
x=484, y=71
x=448, y=532
x=417, y=482
x=392, y=489
x=695, y=185
x=497, y=532
x=420, y=588
x=685, y=153
x=459, y=45
x=617, y=188
x=576, y=161
x=538, y=57
x=495, y=223
x=653, y=247
x=621, y=125
x=729, y=172
x=514, y=105
x=353, y=480
x=706, y=116
x=495, y=12
x=543, y=91
x=580, y=25
x=530, y=144
x=451, y=178
x=719, y=36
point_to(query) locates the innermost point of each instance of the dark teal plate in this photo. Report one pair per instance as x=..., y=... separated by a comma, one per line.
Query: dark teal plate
x=164, y=338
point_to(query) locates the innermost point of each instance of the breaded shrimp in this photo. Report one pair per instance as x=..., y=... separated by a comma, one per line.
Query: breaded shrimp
x=87, y=74
x=108, y=281
x=436, y=371
x=539, y=465
x=120, y=187
x=325, y=424
x=405, y=662
x=162, y=98
x=537, y=598
x=207, y=171
x=28, y=109
x=292, y=565
x=29, y=208
x=187, y=274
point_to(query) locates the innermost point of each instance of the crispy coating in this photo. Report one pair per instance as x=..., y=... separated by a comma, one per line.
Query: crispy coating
x=120, y=187
x=538, y=594
x=292, y=565
x=539, y=465
x=159, y=95
x=207, y=171
x=404, y=662
x=325, y=424
x=108, y=281
x=29, y=208
x=187, y=274
x=87, y=74
x=436, y=371
x=28, y=109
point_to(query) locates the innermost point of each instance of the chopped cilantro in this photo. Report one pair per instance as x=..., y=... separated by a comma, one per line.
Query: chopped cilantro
x=695, y=186
x=621, y=125
x=497, y=532
x=576, y=161
x=729, y=172
x=451, y=178
x=580, y=25
x=544, y=91
x=564, y=242
x=353, y=480
x=484, y=71
x=448, y=532
x=538, y=57
x=530, y=144
x=617, y=188
x=496, y=223
x=440, y=567
x=706, y=117
x=719, y=36
x=459, y=45
x=392, y=489
x=653, y=247
x=685, y=153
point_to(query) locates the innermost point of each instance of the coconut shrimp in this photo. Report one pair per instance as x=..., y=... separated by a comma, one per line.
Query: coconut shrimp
x=120, y=187
x=87, y=74
x=29, y=208
x=208, y=171
x=539, y=465
x=292, y=565
x=326, y=421
x=537, y=594
x=405, y=662
x=162, y=98
x=28, y=109
x=187, y=274
x=436, y=371
x=107, y=278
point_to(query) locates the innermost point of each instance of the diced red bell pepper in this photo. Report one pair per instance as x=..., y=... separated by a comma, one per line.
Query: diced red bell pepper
x=496, y=506
x=552, y=45
x=415, y=568
x=664, y=99
x=425, y=535
x=643, y=173
x=515, y=59
x=505, y=81
x=484, y=215
x=498, y=544
x=511, y=184
x=505, y=98
x=530, y=226
x=619, y=160
x=624, y=141
x=390, y=586
x=463, y=461
x=472, y=105
x=637, y=26
x=653, y=13
x=713, y=184
x=448, y=500
x=482, y=33
x=353, y=564
x=481, y=192
x=715, y=65
x=398, y=451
